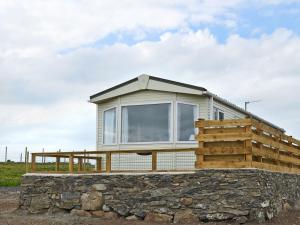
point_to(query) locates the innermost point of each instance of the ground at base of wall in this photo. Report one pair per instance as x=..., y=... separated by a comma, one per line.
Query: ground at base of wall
x=8, y=215
x=288, y=218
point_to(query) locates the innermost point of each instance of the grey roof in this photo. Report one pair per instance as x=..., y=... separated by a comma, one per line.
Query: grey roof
x=206, y=92
x=226, y=102
x=151, y=78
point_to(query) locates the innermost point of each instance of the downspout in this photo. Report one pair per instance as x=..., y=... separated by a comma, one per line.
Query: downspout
x=211, y=108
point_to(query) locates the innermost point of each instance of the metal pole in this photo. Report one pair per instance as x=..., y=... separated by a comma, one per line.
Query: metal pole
x=246, y=104
x=21, y=158
x=26, y=160
x=5, y=159
x=43, y=158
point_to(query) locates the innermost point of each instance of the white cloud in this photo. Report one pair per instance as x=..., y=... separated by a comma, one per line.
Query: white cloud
x=33, y=27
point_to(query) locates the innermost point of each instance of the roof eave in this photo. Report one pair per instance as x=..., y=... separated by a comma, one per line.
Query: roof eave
x=225, y=102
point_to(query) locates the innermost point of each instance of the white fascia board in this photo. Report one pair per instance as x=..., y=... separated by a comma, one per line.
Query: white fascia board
x=129, y=88
x=162, y=86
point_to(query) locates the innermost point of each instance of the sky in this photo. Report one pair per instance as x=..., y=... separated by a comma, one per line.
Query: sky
x=54, y=54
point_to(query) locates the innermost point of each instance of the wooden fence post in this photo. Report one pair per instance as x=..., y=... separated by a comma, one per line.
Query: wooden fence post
x=248, y=145
x=108, y=162
x=278, y=139
x=98, y=165
x=84, y=161
x=258, y=144
x=33, y=158
x=154, y=161
x=71, y=163
x=200, y=151
x=57, y=162
x=290, y=143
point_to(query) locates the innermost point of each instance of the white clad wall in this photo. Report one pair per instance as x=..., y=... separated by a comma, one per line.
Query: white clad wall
x=148, y=96
x=166, y=161
x=229, y=112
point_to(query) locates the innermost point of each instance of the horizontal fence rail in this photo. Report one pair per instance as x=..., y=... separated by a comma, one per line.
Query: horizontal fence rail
x=246, y=143
x=117, y=161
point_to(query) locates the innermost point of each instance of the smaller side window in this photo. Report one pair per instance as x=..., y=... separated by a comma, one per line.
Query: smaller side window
x=221, y=116
x=110, y=126
x=218, y=115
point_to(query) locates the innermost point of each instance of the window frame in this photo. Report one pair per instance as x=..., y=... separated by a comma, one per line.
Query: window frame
x=222, y=113
x=103, y=126
x=171, y=119
x=176, y=121
x=218, y=113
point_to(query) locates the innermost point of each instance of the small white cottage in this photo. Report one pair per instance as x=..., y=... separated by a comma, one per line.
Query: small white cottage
x=149, y=112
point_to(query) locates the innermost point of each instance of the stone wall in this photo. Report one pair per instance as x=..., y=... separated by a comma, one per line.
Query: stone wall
x=206, y=195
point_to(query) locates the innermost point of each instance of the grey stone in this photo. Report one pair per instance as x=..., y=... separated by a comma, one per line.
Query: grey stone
x=241, y=219
x=133, y=217
x=186, y=201
x=200, y=206
x=105, y=208
x=98, y=213
x=236, y=212
x=214, y=197
x=160, y=192
x=80, y=212
x=270, y=215
x=122, y=210
x=158, y=203
x=158, y=218
x=92, y=201
x=69, y=200
x=99, y=187
x=163, y=211
x=185, y=217
x=110, y=215
x=174, y=205
x=39, y=202
x=138, y=212
x=265, y=204
x=297, y=205
x=219, y=216
x=286, y=207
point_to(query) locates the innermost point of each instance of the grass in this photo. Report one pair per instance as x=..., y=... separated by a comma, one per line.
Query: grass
x=11, y=173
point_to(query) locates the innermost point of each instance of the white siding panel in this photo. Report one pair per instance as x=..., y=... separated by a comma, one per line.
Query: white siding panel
x=230, y=113
x=147, y=96
x=165, y=161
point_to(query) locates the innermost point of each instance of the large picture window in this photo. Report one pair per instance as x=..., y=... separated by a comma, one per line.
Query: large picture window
x=186, y=117
x=146, y=123
x=110, y=126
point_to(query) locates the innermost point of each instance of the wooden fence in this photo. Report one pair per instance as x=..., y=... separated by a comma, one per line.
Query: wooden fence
x=100, y=157
x=246, y=143
x=240, y=143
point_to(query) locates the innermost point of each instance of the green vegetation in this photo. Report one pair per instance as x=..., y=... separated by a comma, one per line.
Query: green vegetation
x=11, y=173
